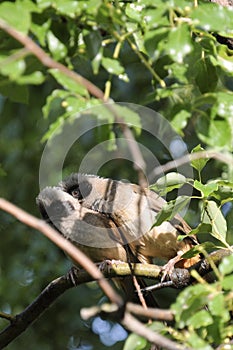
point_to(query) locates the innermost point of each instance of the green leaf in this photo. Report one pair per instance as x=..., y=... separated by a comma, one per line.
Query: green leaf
x=93, y=41
x=44, y=3
x=180, y=120
x=226, y=265
x=206, y=246
x=41, y=30
x=206, y=75
x=224, y=60
x=205, y=100
x=179, y=43
x=213, y=215
x=96, y=62
x=189, y=301
x=68, y=83
x=112, y=66
x=134, y=12
x=135, y=342
x=223, y=105
x=36, y=78
x=227, y=282
x=200, y=319
x=54, y=128
x=69, y=8
x=16, y=15
x=201, y=228
x=129, y=116
x=198, y=164
x=168, y=183
x=56, y=47
x=206, y=189
x=215, y=132
x=212, y=17
x=56, y=96
x=197, y=342
x=12, y=67
x=170, y=209
x=154, y=42
x=72, y=104
x=217, y=307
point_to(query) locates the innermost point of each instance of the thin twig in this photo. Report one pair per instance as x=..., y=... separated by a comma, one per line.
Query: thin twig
x=188, y=158
x=157, y=314
x=132, y=324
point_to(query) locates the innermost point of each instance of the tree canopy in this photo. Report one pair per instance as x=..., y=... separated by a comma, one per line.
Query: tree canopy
x=155, y=75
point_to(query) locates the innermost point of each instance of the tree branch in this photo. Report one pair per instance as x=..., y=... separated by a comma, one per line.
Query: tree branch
x=76, y=254
x=132, y=324
x=188, y=158
x=56, y=288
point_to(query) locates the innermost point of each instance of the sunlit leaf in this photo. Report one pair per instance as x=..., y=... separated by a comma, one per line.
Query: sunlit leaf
x=180, y=120
x=179, y=43
x=215, y=132
x=200, y=319
x=35, y=78
x=135, y=342
x=212, y=17
x=170, y=209
x=205, y=189
x=199, y=163
x=112, y=66
x=169, y=182
x=13, y=68
x=68, y=83
x=13, y=15
x=57, y=48
x=213, y=215
x=226, y=265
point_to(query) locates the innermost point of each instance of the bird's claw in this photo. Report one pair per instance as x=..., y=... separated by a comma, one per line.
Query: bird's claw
x=107, y=264
x=168, y=268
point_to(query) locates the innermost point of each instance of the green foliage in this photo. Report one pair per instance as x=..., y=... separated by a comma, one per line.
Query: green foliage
x=162, y=54
x=202, y=311
x=173, y=41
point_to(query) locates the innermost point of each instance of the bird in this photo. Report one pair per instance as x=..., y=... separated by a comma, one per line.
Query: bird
x=133, y=209
x=113, y=220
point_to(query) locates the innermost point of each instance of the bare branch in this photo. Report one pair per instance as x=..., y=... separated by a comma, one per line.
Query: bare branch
x=132, y=324
x=56, y=288
x=47, y=61
x=153, y=313
x=23, y=320
x=188, y=158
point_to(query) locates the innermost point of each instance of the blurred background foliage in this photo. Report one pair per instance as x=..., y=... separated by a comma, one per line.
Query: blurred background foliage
x=161, y=54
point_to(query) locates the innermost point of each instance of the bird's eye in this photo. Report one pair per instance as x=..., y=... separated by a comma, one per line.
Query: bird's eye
x=81, y=191
x=75, y=193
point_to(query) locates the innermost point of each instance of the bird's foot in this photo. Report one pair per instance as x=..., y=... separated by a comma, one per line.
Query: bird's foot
x=168, y=268
x=107, y=264
x=72, y=275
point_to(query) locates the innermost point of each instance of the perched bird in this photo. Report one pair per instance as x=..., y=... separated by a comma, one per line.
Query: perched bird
x=133, y=210
x=110, y=219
